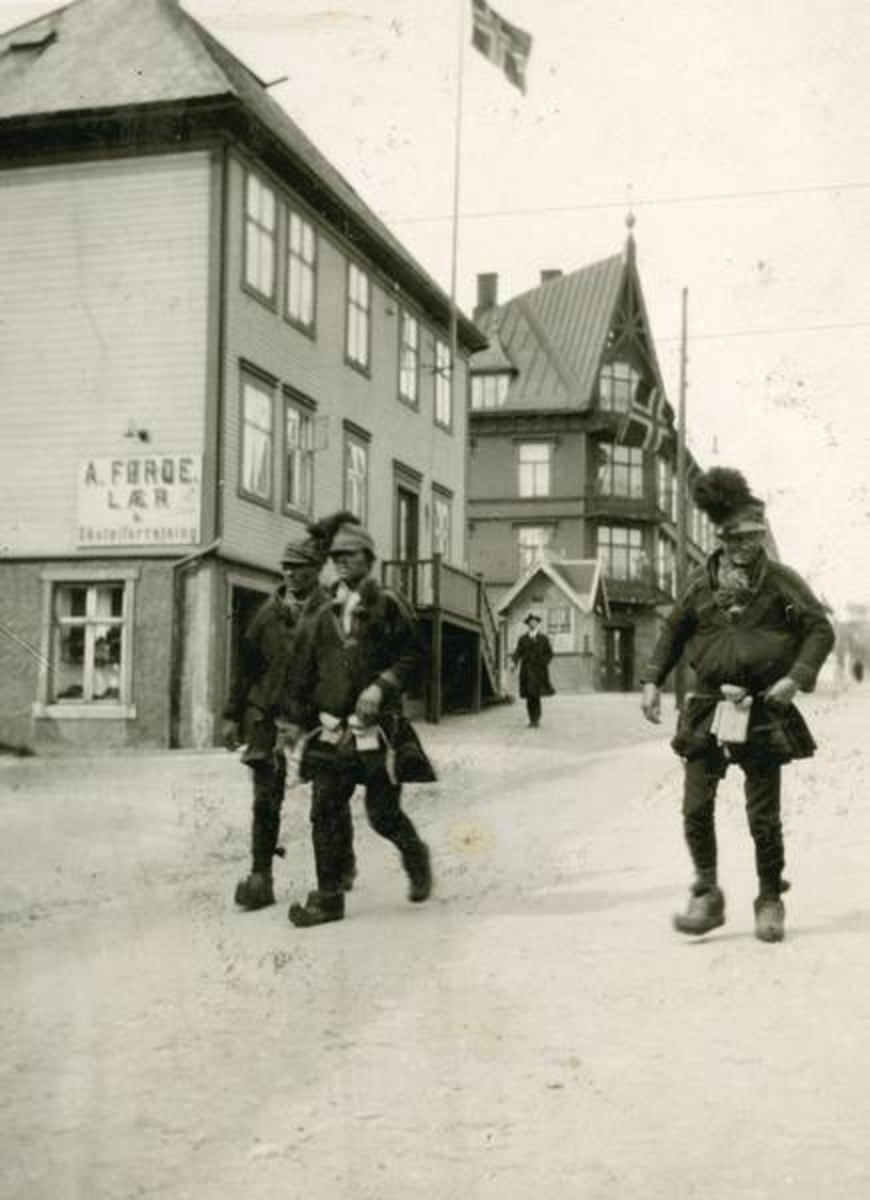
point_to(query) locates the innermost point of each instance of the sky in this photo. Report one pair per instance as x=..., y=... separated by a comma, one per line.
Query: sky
x=740, y=134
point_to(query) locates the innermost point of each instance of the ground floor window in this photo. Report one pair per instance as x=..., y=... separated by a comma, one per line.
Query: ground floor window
x=89, y=642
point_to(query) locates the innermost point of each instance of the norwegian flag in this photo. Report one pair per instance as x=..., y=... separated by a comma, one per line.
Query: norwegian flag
x=645, y=424
x=505, y=45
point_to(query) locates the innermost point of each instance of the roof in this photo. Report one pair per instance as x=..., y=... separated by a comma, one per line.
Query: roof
x=554, y=336
x=581, y=580
x=152, y=52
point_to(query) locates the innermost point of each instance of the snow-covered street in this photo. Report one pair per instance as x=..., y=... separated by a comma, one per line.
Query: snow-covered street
x=535, y=1029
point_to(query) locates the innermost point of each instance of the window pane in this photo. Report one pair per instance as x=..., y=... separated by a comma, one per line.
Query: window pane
x=68, y=658
x=107, y=662
x=71, y=601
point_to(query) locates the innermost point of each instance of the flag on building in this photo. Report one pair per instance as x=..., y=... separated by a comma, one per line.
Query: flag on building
x=645, y=425
x=502, y=43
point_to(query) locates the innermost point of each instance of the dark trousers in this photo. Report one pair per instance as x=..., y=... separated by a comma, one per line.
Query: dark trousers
x=332, y=830
x=268, y=779
x=762, y=788
x=533, y=708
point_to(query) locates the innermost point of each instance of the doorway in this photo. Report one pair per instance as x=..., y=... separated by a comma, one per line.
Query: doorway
x=618, y=666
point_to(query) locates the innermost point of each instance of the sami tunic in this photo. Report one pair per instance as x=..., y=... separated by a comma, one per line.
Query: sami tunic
x=750, y=633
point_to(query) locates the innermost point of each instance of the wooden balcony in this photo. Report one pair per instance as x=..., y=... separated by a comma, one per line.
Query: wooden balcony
x=453, y=607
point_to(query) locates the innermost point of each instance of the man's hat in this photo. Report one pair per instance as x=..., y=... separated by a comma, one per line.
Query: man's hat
x=301, y=554
x=349, y=538
x=723, y=494
x=532, y=616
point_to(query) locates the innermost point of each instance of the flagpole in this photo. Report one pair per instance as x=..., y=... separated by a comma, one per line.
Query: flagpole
x=682, y=498
x=457, y=160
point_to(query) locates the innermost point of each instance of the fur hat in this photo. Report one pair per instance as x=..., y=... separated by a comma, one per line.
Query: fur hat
x=351, y=537
x=321, y=533
x=301, y=554
x=723, y=494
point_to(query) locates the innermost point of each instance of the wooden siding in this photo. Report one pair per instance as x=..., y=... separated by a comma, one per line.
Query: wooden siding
x=103, y=296
x=316, y=367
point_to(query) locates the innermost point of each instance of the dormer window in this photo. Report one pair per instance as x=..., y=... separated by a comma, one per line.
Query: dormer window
x=490, y=391
x=617, y=386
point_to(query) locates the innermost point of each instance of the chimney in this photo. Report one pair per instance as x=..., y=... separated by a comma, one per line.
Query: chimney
x=549, y=276
x=487, y=293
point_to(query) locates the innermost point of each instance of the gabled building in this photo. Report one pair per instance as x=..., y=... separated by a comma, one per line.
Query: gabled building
x=573, y=453
x=206, y=338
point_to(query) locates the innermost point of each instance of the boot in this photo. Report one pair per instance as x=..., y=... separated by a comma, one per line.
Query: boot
x=419, y=868
x=255, y=892
x=318, y=909
x=706, y=911
x=769, y=919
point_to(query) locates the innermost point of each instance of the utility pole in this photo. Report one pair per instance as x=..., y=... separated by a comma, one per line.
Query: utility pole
x=682, y=498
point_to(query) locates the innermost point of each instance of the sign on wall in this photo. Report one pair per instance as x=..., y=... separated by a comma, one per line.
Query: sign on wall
x=139, y=500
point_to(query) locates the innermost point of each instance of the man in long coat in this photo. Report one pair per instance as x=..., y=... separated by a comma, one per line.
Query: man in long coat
x=532, y=655
x=256, y=701
x=755, y=635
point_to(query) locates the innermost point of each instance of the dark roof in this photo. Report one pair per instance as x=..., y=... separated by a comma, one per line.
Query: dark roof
x=579, y=575
x=555, y=335
x=111, y=54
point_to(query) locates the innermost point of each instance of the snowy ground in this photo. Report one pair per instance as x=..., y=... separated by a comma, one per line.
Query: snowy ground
x=536, y=1029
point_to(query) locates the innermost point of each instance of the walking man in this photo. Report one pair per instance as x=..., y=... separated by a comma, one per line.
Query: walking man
x=265, y=662
x=754, y=634
x=359, y=656
x=532, y=654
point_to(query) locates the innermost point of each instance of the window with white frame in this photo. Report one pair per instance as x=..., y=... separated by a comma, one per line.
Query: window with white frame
x=665, y=564
x=559, y=621
x=441, y=522
x=617, y=386
x=356, y=476
x=620, y=552
x=665, y=488
x=534, y=468
x=443, y=385
x=298, y=456
x=301, y=271
x=409, y=358
x=90, y=628
x=257, y=438
x=532, y=544
x=620, y=471
x=358, y=316
x=490, y=391
x=260, y=236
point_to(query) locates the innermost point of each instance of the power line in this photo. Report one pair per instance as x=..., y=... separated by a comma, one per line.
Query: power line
x=771, y=332
x=700, y=198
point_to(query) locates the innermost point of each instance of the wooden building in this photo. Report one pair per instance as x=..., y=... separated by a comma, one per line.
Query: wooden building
x=573, y=456
x=207, y=337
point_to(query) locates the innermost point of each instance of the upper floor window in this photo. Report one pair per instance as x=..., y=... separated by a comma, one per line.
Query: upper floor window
x=617, y=385
x=534, y=468
x=490, y=391
x=666, y=492
x=260, y=236
x=620, y=551
x=443, y=385
x=257, y=438
x=358, y=316
x=532, y=544
x=301, y=271
x=441, y=523
x=356, y=476
x=665, y=564
x=620, y=471
x=298, y=456
x=409, y=358
x=89, y=632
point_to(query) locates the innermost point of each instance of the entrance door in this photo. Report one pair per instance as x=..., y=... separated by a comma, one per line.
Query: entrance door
x=619, y=658
x=407, y=538
x=245, y=602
